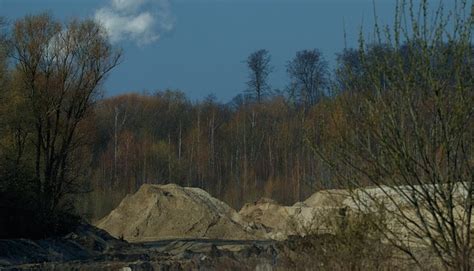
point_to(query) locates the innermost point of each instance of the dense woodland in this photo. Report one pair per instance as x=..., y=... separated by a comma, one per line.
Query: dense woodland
x=261, y=144
x=257, y=145
x=238, y=152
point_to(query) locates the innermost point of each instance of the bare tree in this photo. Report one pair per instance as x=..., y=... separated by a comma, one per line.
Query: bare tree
x=60, y=68
x=3, y=54
x=348, y=67
x=308, y=73
x=410, y=135
x=259, y=69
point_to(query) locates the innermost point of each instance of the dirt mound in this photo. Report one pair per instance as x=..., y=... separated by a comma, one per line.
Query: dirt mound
x=266, y=212
x=401, y=217
x=400, y=197
x=328, y=198
x=283, y=221
x=158, y=212
x=169, y=211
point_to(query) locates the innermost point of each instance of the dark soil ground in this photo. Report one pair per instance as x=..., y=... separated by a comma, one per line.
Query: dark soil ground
x=89, y=248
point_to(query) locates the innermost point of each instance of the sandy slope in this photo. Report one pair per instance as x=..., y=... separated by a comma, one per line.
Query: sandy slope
x=157, y=212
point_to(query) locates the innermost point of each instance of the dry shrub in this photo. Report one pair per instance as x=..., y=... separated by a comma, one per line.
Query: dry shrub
x=354, y=243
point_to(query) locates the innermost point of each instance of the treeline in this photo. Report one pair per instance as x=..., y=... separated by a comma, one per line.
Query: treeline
x=236, y=152
x=261, y=144
x=254, y=146
x=251, y=147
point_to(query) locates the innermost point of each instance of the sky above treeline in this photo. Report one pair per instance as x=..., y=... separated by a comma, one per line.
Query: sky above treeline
x=200, y=46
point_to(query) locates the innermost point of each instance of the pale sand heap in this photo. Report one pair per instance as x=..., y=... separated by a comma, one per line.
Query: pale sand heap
x=401, y=220
x=157, y=212
x=169, y=211
x=328, y=198
x=283, y=221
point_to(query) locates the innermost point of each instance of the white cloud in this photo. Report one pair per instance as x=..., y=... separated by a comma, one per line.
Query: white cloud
x=127, y=4
x=140, y=21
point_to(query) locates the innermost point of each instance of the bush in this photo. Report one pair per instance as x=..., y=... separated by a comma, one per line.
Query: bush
x=354, y=244
x=21, y=214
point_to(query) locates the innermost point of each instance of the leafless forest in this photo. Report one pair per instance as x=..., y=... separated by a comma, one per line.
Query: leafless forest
x=398, y=112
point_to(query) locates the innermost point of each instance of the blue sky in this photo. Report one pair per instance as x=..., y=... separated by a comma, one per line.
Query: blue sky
x=199, y=46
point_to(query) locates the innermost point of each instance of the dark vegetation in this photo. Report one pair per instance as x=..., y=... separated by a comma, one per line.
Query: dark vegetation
x=48, y=92
x=354, y=246
x=398, y=110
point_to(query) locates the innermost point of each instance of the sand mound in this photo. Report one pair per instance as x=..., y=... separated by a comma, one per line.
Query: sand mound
x=157, y=212
x=402, y=218
x=282, y=221
x=325, y=210
x=394, y=198
x=266, y=212
x=328, y=198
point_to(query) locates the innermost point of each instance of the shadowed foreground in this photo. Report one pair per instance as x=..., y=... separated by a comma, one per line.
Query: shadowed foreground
x=89, y=248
